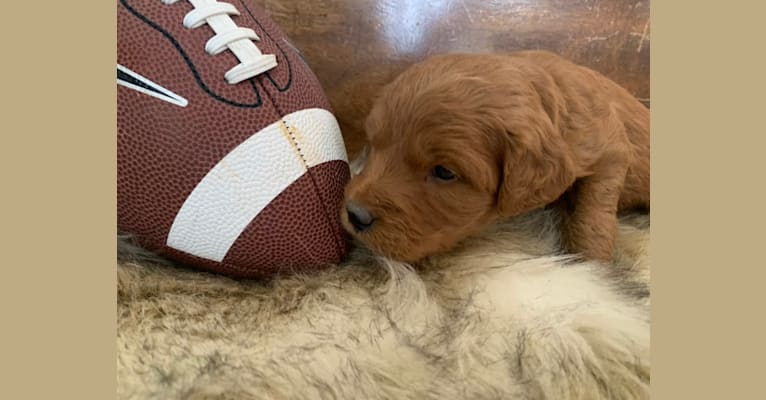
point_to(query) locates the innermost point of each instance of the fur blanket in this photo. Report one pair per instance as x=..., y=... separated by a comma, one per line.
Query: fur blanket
x=500, y=317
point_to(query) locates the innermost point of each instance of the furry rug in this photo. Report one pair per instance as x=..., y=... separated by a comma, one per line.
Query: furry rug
x=502, y=317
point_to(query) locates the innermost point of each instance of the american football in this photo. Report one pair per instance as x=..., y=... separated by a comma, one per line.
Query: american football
x=229, y=158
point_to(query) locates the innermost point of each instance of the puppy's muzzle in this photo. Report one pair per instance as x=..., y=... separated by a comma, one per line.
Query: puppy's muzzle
x=359, y=217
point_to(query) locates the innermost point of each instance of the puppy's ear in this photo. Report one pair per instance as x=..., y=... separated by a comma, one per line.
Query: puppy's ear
x=537, y=166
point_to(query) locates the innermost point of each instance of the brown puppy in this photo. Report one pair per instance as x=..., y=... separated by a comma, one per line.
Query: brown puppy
x=460, y=140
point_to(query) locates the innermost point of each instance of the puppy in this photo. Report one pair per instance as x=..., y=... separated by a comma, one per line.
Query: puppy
x=461, y=140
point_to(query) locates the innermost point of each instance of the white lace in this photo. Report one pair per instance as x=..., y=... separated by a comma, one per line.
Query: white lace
x=228, y=35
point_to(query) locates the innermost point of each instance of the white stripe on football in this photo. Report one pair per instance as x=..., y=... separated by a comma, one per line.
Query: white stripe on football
x=247, y=179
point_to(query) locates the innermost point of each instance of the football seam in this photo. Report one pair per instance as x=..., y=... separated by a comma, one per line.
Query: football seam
x=295, y=143
x=338, y=239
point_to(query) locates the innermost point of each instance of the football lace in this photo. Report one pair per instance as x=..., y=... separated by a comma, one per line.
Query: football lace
x=229, y=36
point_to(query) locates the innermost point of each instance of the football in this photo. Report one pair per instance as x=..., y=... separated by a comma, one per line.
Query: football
x=229, y=158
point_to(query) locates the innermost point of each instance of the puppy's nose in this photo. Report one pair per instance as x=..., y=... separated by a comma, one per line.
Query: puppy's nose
x=359, y=217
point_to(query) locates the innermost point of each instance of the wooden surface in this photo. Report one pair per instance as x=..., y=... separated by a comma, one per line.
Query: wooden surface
x=357, y=46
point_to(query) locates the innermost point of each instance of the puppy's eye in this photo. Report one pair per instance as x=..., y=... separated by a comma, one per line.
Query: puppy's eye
x=443, y=173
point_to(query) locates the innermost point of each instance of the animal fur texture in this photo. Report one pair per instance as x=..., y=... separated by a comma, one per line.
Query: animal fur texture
x=502, y=316
x=458, y=141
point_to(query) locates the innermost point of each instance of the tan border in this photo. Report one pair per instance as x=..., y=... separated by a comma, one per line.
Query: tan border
x=707, y=88
x=57, y=166
x=57, y=173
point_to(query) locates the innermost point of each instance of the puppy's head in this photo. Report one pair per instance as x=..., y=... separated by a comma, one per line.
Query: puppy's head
x=451, y=146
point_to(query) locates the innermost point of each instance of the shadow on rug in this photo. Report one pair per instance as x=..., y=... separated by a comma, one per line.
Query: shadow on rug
x=502, y=317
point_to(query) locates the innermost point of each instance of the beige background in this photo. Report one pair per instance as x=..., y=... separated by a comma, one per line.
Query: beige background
x=57, y=168
x=708, y=141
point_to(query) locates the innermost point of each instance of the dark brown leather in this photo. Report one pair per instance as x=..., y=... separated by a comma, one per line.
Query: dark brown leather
x=165, y=150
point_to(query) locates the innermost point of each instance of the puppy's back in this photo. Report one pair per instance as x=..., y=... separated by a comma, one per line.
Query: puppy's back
x=597, y=92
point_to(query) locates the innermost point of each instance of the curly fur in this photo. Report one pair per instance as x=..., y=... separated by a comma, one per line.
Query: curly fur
x=501, y=316
x=521, y=131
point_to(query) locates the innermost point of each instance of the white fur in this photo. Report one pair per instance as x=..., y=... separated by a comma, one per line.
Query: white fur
x=500, y=317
